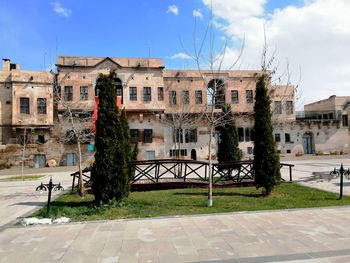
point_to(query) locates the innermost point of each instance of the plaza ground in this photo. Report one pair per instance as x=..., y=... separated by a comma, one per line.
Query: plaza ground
x=300, y=235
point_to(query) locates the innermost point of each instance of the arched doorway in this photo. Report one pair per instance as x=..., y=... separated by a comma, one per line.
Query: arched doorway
x=216, y=93
x=308, y=141
x=193, y=154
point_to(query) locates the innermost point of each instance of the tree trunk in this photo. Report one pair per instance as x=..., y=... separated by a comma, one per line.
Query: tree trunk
x=81, y=181
x=23, y=152
x=210, y=181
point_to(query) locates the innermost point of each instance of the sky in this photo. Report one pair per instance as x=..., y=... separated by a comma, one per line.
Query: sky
x=310, y=38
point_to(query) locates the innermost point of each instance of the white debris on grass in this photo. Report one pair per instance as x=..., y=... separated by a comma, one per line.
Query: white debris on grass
x=61, y=220
x=43, y=221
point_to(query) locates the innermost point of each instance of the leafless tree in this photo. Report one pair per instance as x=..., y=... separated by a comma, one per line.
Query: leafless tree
x=72, y=126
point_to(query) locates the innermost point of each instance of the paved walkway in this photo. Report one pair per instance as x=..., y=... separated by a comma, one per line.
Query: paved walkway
x=19, y=198
x=307, y=235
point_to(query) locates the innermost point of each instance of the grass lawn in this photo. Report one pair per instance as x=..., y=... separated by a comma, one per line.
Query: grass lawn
x=25, y=177
x=192, y=201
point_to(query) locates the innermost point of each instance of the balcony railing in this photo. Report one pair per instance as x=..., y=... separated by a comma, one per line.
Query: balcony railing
x=319, y=115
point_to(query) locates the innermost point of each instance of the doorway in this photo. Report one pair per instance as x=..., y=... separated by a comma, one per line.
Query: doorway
x=193, y=154
x=308, y=143
x=40, y=161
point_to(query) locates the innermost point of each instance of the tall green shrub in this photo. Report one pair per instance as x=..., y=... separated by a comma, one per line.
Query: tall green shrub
x=110, y=174
x=266, y=160
x=228, y=145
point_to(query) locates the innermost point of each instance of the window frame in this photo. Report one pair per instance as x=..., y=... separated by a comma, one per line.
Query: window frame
x=24, y=105
x=234, y=99
x=249, y=96
x=68, y=96
x=41, y=109
x=147, y=94
x=133, y=93
x=199, y=99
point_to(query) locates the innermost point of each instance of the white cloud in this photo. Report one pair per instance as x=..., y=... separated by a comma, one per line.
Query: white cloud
x=180, y=55
x=173, y=9
x=61, y=10
x=313, y=37
x=197, y=13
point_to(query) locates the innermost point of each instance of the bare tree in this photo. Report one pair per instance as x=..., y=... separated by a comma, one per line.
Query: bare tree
x=72, y=126
x=214, y=78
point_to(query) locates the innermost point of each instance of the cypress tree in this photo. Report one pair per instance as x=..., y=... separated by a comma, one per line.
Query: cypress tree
x=126, y=135
x=228, y=145
x=110, y=175
x=266, y=160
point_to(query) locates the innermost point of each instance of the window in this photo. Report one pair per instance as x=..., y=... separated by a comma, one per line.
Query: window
x=148, y=135
x=119, y=91
x=248, y=134
x=24, y=105
x=160, y=93
x=178, y=135
x=287, y=137
x=290, y=108
x=41, y=139
x=277, y=137
x=177, y=153
x=345, y=120
x=133, y=93
x=172, y=97
x=190, y=135
x=68, y=93
x=185, y=97
x=249, y=96
x=147, y=94
x=234, y=96
x=199, y=97
x=41, y=105
x=278, y=107
x=241, y=134
x=23, y=139
x=250, y=150
x=134, y=135
x=84, y=94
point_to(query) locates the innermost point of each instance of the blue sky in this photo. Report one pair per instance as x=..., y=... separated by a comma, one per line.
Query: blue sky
x=312, y=36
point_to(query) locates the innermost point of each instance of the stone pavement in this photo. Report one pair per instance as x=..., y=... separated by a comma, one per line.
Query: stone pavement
x=305, y=235
x=19, y=198
x=302, y=173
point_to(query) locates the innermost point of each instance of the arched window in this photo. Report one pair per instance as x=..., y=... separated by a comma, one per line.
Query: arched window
x=216, y=93
x=118, y=88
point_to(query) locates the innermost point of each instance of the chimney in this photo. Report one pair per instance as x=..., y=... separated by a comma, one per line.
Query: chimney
x=6, y=64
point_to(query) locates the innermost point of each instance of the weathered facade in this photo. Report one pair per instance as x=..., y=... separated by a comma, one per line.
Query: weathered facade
x=160, y=106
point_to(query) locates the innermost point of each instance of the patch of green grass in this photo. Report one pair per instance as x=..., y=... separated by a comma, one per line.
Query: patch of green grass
x=25, y=177
x=192, y=201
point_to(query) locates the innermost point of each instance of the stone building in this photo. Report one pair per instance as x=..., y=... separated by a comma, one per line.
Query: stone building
x=26, y=114
x=160, y=106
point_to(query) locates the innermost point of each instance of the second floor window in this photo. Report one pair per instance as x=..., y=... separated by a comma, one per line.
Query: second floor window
x=178, y=136
x=133, y=93
x=287, y=137
x=278, y=107
x=277, y=137
x=41, y=105
x=190, y=135
x=160, y=93
x=186, y=97
x=84, y=94
x=172, y=97
x=289, y=107
x=68, y=93
x=134, y=135
x=147, y=94
x=24, y=105
x=249, y=96
x=199, y=97
x=148, y=135
x=234, y=96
